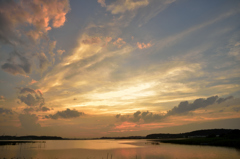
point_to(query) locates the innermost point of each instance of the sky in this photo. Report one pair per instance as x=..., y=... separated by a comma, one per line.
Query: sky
x=84, y=69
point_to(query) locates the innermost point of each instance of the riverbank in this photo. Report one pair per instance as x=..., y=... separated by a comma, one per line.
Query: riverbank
x=216, y=141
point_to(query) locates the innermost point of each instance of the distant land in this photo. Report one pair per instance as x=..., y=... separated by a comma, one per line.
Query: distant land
x=214, y=137
x=30, y=137
x=196, y=133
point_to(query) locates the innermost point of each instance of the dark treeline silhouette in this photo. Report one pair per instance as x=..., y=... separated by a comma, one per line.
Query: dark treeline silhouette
x=30, y=137
x=199, y=133
x=229, y=133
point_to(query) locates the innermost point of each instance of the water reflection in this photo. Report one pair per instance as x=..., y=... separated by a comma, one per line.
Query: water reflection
x=114, y=149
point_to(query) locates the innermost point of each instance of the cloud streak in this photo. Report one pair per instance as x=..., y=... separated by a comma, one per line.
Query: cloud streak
x=121, y=6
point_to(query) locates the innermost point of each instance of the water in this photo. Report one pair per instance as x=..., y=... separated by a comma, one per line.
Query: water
x=113, y=149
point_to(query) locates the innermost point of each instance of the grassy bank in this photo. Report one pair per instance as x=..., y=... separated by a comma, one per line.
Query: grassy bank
x=216, y=141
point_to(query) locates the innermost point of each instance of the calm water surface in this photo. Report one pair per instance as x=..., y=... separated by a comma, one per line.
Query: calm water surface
x=114, y=149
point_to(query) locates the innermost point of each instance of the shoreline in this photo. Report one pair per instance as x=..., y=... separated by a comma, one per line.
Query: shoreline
x=217, y=141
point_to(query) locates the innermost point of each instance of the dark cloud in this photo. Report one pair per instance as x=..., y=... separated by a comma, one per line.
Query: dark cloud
x=29, y=122
x=45, y=109
x=31, y=109
x=138, y=116
x=6, y=111
x=220, y=100
x=27, y=90
x=31, y=97
x=236, y=109
x=17, y=64
x=66, y=114
x=118, y=116
x=28, y=110
x=150, y=117
x=185, y=107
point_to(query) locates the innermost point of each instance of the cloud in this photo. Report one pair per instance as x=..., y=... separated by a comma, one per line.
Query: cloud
x=6, y=111
x=236, y=109
x=185, y=107
x=220, y=100
x=17, y=64
x=139, y=116
x=102, y=2
x=107, y=40
x=150, y=117
x=119, y=42
x=32, y=109
x=37, y=14
x=28, y=110
x=60, y=52
x=143, y=46
x=66, y=114
x=93, y=40
x=26, y=90
x=29, y=122
x=121, y=6
x=2, y=98
x=154, y=8
x=182, y=108
x=31, y=97
x=32, y=82
x=43, y=61
x=45, y=109
x=52, y=46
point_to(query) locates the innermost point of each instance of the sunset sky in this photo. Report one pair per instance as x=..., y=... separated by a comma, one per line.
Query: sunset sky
x=93, y=68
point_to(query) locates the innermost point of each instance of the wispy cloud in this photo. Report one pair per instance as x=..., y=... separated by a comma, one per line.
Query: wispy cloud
x=102, y=2
x=121, y=6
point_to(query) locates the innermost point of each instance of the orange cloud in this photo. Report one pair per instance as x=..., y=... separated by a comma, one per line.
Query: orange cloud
x=93, y=40
x=2, y=98
x=60, y=52
x=126, y=126
x=107, y=40
x=143, y=45
x=32, y=82
x=102, y=2
x=119, y=42
x=37, y=13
